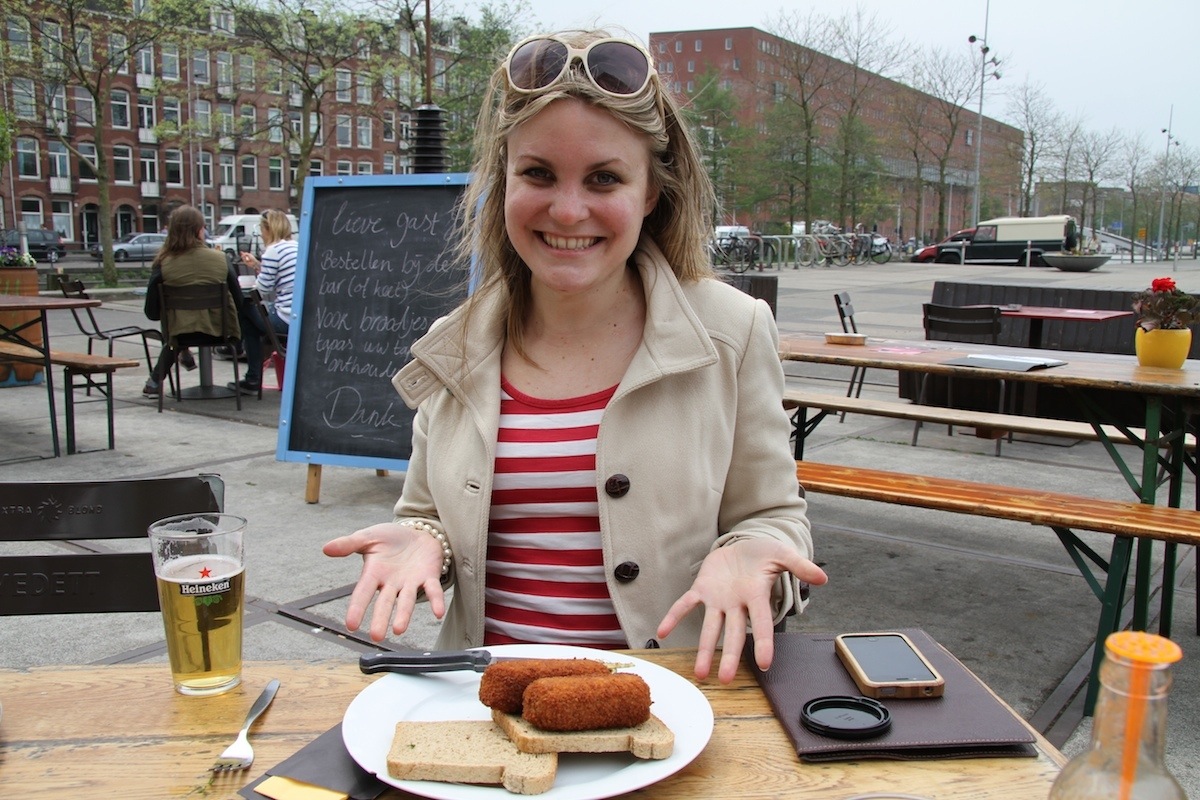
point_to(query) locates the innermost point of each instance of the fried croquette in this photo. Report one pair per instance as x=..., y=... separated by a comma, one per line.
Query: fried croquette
x=502, y=685
x=587, y=702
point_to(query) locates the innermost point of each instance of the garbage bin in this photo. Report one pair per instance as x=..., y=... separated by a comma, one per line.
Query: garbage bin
x=763, y=287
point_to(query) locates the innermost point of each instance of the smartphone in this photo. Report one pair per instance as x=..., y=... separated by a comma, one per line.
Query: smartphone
x=888, y=665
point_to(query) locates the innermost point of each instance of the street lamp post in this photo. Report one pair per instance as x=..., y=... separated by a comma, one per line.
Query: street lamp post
x=1162, y=206
x=984, y=61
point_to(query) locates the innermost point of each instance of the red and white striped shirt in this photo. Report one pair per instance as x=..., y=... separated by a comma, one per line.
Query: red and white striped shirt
x=545, y=566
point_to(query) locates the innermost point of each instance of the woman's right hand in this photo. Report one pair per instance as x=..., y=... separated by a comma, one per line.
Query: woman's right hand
x=399, y=562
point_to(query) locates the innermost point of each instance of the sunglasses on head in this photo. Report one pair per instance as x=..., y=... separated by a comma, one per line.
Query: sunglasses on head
x=616, y=67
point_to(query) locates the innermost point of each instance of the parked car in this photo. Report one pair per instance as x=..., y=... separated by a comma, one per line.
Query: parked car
x=1012, y=240
x=43, y=245
x=134, y=247
x=929, y=252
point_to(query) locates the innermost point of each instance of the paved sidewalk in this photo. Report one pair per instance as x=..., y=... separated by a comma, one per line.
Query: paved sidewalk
x=1003, y=597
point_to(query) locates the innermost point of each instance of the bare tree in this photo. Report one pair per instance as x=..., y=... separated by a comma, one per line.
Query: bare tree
x=949, y=79
x=915, y=116
x=806, y=83
x=1032, y=112
x=1065, y=156
x=869, y=57
x=1134, y=157
x=1097, y=153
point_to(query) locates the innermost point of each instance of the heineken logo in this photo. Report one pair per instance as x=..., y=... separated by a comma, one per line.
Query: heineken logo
x=202, y=589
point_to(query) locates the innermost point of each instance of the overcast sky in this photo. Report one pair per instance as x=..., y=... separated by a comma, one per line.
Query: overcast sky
x=1113, y=64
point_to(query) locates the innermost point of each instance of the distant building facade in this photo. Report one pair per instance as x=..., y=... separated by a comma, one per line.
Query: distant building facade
x=752, y=64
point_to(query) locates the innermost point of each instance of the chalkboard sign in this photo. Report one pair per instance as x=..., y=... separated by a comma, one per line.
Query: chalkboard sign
x=373, y=273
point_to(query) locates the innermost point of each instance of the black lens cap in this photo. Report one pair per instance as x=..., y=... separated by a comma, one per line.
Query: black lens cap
x=845, y=717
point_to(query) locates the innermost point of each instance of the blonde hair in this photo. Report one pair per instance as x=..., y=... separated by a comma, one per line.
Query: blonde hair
x=275, y=227
x=679, y=223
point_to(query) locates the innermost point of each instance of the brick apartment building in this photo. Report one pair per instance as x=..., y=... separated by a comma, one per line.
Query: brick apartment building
x=752, y=64
x=238, y=162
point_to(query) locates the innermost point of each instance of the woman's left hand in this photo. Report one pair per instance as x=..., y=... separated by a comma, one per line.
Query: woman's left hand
x=734, y=583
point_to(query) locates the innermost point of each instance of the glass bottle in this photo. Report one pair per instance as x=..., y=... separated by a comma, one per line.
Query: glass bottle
x=1125, y=760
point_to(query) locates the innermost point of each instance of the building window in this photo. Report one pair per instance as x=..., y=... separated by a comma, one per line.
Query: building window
x=222, y=21
x=24, y=98
x=122, y=164
x=28, y=158
x=662, y=48
x=249, y=172
x=389, y=163
x=52, y=46
x=691, y=86
x=145, y=60
x=737, y=65
x=148, y=164
x=83, y=47
x=60, y=215
x=204, y=169
x=439, y=70
x=87, y=157
x=31, y=212
x=316, y=168
x=362, y=90
x=389, y=126
x=344, y=167
x=202, y=116
x=146, y=116
x=173, y=167
x=678, y=47
x=365, y=168
x=274, y=77
x=275, y=125
x=225, y=118
x=699, y=45
x=19, y=45
x=691, y=66
x=118, y=52
x=120, y=108
x=364, y=131
x=200, y=66
x=342, y=78
x=342, y=130
x=970, y=137
x=150, y=217
x=246, y=72
x=170, y=62
x=60, y=159
x=249, y=120
x=275, y=173
x=171, y=112
x=225, y=72
x=228, y=168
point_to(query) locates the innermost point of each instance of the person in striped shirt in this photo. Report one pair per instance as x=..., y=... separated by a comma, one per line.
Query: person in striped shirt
x=600, y=453
x=276, y=274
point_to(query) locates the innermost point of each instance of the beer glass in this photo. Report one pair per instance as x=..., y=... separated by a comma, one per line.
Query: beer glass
x=200, y=569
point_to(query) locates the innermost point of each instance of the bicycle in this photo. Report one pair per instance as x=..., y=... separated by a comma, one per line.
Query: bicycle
x=733, y=252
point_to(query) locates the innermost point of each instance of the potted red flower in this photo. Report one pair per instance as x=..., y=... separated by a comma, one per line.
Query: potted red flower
x=1165, y=314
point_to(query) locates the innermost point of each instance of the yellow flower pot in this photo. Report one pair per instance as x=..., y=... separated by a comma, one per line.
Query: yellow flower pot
x=1159, y=348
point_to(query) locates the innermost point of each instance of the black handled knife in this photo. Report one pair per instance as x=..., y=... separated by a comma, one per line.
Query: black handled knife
x=417, y=662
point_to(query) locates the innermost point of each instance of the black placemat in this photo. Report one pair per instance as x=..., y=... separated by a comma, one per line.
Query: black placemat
x=324, y=762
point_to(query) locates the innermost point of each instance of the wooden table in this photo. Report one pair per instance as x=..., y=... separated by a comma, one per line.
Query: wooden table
x=1172, y=404
x=15, y=335
x=1038, y=314
x=121, y=731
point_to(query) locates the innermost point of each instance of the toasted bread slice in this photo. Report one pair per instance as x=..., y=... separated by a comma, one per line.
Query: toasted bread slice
x=467, y=751
x=651, y=740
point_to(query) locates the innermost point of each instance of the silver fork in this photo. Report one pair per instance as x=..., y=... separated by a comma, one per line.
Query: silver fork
x=240, y=754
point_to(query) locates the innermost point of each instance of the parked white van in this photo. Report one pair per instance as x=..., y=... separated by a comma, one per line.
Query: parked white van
x=239, y=233
x=1012, y=240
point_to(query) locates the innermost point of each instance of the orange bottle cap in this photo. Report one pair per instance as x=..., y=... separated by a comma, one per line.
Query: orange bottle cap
x=1147, y=648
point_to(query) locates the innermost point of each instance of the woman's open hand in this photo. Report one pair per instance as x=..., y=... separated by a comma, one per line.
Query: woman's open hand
x=734, y=583
x=399, y=562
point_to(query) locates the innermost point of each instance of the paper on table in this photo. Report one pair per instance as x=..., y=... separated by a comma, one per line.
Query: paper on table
x=1019, y=363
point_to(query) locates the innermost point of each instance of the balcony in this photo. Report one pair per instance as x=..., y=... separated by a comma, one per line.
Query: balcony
x=150, y=189
x=60, y=186
x=147, y=136
x=229, y=193
x=145, y=81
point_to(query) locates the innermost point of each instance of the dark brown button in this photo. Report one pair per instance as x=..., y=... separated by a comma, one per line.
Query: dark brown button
x=651, y=644
x=627, y=571
x=617, y=486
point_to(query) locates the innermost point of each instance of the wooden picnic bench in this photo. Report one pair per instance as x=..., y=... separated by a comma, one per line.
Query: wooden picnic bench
x=1126, y=521
x=987, y=424
x=80, y=371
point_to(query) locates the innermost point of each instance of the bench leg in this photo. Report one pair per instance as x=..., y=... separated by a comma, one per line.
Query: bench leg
x=1110, y=613
x=69, y=405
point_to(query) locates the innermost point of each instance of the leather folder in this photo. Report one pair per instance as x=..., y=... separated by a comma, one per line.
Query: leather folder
x=968, y=721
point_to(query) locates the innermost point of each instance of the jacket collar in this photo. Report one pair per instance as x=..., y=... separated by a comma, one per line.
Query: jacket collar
x=674, y=339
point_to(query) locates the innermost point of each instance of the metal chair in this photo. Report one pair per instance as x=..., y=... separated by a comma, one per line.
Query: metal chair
x=276, y=353
x=846, y=314
x=961, y=323
x=199, y=297
x=81, y=575
x=86, y=321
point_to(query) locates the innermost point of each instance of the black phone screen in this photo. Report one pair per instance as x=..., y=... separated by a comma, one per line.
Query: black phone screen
x=888, y=659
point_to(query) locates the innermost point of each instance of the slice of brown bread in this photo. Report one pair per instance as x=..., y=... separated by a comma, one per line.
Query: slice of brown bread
x=651, y=739
x=467, y=751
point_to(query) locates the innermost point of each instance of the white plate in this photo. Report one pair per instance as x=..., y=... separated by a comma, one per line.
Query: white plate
x=370, y=724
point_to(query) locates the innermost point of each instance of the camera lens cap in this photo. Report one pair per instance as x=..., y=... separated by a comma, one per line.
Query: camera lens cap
x=845, y=717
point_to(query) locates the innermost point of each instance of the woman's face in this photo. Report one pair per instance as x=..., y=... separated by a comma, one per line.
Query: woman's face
x=577, y=189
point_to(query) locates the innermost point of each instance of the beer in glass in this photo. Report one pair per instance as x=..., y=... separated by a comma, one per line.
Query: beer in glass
x=200, y=568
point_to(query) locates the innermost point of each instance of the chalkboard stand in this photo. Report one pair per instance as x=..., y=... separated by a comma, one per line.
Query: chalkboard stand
x=375, y=269
x=312, y=489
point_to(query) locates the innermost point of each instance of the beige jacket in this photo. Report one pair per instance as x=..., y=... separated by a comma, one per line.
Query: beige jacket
x=692, y=451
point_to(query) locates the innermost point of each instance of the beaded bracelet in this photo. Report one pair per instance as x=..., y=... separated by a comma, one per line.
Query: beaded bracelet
x=447, y=553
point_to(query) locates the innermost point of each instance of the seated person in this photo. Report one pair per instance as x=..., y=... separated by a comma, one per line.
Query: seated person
x=186, y=259
x=276, y=274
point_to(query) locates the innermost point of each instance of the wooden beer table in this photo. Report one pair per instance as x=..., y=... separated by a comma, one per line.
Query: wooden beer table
x=122, y=731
